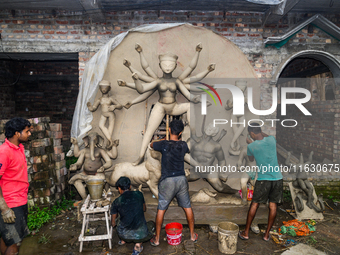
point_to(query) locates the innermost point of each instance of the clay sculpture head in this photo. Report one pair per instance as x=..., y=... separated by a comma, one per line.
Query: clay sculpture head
x=168, y=62
x=104, y=86
x=93, y=140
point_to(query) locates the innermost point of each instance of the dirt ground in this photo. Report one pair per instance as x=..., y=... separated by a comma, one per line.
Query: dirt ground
x=62, y=234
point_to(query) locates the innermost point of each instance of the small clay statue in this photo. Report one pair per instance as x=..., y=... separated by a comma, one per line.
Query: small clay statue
x=304, y=185
x=108, y=105
x=167, y=87
x=237, y=128
x=90, y=161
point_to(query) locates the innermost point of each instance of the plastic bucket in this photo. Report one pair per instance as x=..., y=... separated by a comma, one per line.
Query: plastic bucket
x=174, y=233
x=227, y=237
x=95, y=187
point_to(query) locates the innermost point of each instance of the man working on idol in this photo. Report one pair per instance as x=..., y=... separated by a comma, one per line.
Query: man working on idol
x=13, y=186
x=269, y=182
x=173, y=182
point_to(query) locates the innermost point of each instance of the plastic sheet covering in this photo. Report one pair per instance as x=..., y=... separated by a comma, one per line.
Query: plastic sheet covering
x=94, y=73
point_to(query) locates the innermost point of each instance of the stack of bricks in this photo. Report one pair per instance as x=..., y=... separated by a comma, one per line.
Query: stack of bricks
x=59, y=158
x=45, y=161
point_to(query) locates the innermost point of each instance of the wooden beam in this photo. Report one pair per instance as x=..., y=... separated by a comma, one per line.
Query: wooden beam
x=93, y=9
x=275, y=13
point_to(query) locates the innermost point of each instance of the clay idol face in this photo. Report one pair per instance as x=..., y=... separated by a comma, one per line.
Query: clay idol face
x=168, y=66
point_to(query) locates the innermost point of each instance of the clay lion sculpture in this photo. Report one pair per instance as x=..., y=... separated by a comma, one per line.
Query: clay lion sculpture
x=147, y=174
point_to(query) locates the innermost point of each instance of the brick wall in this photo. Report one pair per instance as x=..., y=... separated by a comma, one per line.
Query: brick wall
x=44, y=88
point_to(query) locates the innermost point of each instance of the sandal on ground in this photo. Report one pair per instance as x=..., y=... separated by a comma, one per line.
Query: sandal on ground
x=196, y=237
x=136, y=252
x=121, y=242
x=241, y=236
x=266, y=239
x=152, y=242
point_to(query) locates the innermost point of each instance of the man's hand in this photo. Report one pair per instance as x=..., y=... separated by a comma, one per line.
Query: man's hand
x=8, y=216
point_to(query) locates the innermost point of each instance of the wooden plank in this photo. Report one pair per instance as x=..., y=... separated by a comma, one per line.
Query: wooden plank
x=94, y=238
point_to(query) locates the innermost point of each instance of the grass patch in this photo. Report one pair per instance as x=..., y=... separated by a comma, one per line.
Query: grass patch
x=37, y=217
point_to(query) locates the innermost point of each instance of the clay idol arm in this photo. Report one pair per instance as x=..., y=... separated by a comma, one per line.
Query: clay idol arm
x=116, y=103
x=93, y=107
x=192, y=64
x=183, y=89
x=141, y=88
x=220, y=156
x=141, y=76
x=105, y=156
x=79, y=162
x=144, y=63
x=139, y=99
x=130, y=85
x=200, y=76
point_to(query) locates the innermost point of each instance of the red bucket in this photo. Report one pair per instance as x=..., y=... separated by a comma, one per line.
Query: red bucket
x=174, y=233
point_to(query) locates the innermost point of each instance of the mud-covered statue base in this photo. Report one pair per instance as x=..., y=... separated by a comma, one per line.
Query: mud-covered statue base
x=205, y=214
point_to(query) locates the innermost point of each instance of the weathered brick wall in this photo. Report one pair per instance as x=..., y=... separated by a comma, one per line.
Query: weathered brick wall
x=45, y=161
x=37, y=31
x=44, y=88
x=313, y=133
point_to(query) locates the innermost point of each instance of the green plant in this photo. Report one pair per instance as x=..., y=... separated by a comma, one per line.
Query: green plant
x=70, y=161
x=37, y=217
x=44, y=239
x=311, y=240
x=287, y=197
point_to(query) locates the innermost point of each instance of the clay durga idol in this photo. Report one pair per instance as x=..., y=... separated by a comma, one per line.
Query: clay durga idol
x=167, y=87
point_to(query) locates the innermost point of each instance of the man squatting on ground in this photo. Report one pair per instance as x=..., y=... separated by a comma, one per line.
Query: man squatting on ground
x=131, y=224
x=269, y=184
x=173, y=182
x=13, y=186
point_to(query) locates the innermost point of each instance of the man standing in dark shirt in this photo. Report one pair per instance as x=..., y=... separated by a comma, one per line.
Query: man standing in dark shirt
x=173, y=182
x=131, y=224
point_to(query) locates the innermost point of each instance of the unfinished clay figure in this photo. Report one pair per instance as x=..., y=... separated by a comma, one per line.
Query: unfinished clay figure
x=147, y=174
x=167, y=87
x=90, y=161
x=237, y=129
x=204, y=153
x=304, y=185
x=108, y=105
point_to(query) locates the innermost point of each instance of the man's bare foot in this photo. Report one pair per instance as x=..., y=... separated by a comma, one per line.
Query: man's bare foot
x=154, y=242
x=138, y=161
x=242, y=235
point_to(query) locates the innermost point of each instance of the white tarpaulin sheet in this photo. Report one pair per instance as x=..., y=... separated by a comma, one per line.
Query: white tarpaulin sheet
x=94, y=73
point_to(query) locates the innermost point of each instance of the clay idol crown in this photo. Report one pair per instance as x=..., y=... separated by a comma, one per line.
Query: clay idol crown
x=168, y=56
x=104, y=83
